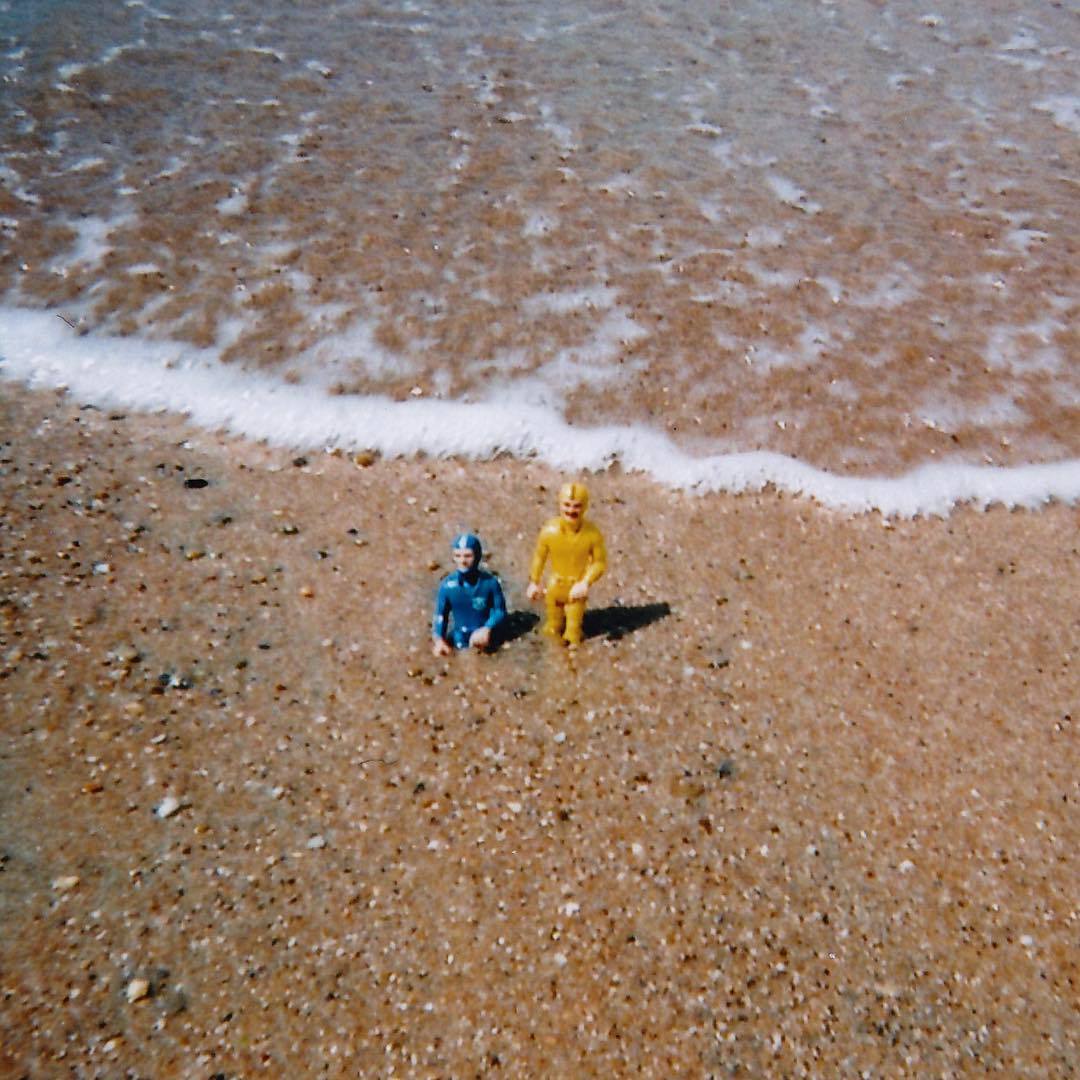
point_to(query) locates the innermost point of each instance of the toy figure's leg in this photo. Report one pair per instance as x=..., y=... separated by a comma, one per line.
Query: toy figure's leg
x=575, y=613
x=553, y=625
x=555, y=605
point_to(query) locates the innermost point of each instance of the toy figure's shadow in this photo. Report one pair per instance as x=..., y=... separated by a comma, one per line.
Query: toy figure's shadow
x=617, y=622
x=516, y=624
x=610, y=622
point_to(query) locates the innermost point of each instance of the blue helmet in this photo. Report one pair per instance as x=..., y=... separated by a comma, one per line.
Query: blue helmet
x=472, y=542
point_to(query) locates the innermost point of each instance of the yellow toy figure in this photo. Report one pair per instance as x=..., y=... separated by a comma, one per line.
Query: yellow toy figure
x=578, y=558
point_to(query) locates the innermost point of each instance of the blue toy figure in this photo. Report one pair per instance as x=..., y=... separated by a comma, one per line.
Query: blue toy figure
x=470, y=604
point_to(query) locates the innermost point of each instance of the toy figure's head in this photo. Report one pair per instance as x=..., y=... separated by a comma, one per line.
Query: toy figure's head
x=467, y=552
x=573, y=502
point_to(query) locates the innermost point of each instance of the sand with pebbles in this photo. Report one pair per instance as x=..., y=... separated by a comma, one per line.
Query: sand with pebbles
x=804, y=804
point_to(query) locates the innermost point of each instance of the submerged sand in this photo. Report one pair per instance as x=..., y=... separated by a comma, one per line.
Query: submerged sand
x=804, y=804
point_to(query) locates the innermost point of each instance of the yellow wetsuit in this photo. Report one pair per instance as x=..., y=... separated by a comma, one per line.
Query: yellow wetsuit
x=576, y=555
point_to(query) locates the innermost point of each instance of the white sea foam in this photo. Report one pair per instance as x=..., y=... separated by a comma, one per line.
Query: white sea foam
x=563, y=302
x=1065, y=111
x=87, y=164
x=999, y=411
x=69, y=71
x=91, y=243
x=38, y=349
x=791, y=194
x=327, y=361
x=538, y=224
x=233, y=204
x=1025, y=349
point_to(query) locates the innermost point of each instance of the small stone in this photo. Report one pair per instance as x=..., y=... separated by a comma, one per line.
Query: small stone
x=66, y=883
x=168, y=806
x=364, y=459
x=307, y=591
x=136, y=990
x=316, y=842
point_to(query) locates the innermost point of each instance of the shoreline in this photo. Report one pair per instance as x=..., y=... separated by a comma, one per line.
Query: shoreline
x=42, y=352
x=804, y=804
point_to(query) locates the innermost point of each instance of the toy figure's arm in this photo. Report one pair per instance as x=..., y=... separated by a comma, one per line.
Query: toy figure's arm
x=598, y=564
x=595, y=569
x=536, y=569
x=440, y=623
x=480, y=638
x=498, y=605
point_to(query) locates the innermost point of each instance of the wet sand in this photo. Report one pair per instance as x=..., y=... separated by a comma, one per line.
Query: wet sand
x=804, y=804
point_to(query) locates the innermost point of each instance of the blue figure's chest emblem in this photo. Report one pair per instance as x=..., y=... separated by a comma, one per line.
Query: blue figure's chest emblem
x=478, y=603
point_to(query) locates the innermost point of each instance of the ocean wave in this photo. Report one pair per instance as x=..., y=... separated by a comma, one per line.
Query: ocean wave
x=40, y=350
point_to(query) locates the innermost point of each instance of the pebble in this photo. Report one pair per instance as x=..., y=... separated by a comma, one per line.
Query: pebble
x=66, y=883
x=168, y=806
x=316, y=842
x=136, y=990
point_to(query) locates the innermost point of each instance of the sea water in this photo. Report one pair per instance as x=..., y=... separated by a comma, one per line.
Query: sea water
x=830, y=246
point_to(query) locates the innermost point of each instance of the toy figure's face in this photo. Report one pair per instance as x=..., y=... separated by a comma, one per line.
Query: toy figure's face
x=464, y=559
x=571, y=509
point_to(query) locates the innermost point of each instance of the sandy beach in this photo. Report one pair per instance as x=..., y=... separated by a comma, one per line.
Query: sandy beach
x=803, y=804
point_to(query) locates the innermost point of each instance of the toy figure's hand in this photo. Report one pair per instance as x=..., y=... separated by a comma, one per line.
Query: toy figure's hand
x=580, y=591
x=535, y=591
x=480, y=639
x=440, y=646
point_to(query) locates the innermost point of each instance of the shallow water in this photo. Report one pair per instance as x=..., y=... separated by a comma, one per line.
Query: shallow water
x=841, y=233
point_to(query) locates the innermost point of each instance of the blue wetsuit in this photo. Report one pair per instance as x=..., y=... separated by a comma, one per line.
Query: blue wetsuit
x=467, y=600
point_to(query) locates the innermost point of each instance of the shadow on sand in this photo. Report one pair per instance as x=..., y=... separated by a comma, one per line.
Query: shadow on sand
x=516, y=624
x=610, y=622
x=617, y=622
